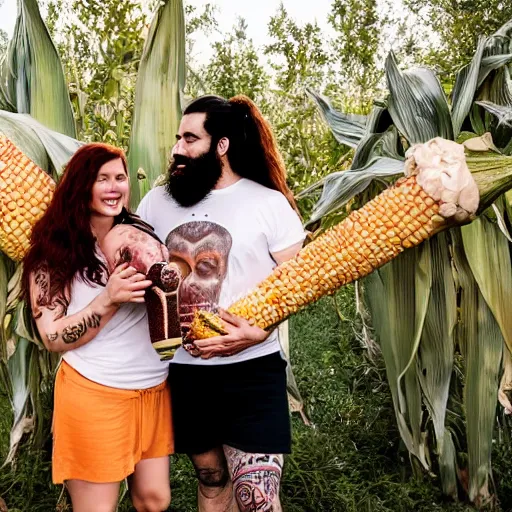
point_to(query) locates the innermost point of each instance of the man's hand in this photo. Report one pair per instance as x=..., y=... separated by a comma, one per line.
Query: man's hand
x=241, y=335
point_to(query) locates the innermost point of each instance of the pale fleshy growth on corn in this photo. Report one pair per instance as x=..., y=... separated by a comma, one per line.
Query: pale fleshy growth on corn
x=25, y=192
x=399, y=218
x=442, y=172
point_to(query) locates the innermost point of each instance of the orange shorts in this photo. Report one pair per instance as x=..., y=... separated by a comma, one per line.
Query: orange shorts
x=100, y=433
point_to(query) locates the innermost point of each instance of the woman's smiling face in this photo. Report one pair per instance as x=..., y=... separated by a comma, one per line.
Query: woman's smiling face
x=111, y=189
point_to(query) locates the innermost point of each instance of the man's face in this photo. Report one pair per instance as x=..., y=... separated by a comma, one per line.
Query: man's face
x=124, y=243
x=196, y=167
x=192, y=140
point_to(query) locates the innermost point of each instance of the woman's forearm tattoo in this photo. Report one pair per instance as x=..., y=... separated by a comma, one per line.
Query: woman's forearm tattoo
x=72, y=333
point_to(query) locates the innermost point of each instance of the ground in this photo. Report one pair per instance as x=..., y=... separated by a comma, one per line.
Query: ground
x=349, y=460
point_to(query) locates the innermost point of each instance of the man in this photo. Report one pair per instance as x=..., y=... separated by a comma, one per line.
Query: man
x=228, y=217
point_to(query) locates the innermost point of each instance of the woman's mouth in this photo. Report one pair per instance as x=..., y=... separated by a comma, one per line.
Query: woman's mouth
x=111, y=202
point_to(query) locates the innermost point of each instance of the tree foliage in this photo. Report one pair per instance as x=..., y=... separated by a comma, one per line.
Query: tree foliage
x=235, y=67
x=100, y=45
x=456, y=26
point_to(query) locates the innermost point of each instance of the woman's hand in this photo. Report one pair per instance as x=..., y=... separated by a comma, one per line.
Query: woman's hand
x=125, y=284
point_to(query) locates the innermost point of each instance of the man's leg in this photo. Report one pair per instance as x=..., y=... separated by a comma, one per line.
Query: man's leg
x=256, y=480
x=215, y=492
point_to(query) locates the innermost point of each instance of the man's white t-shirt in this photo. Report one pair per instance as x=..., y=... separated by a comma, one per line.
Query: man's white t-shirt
x=224, y=247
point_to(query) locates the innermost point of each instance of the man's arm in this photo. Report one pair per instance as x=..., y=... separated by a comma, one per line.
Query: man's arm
x=287, y=254
x=241, y=334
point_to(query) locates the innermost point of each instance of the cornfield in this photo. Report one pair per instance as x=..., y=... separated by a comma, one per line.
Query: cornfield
x=438, y=310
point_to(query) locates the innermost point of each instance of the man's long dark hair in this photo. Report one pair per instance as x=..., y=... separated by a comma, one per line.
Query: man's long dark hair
x=253, y=151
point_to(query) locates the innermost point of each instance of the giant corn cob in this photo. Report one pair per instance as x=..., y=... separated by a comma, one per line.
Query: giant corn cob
x=25, y=191
x=438, y=192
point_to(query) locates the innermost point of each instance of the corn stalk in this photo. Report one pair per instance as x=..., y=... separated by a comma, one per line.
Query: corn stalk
x=39, y=119
x=440, y=299
x=158, y=97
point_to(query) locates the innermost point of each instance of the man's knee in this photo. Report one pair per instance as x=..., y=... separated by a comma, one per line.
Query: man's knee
x=212, y=481
x=152, y=500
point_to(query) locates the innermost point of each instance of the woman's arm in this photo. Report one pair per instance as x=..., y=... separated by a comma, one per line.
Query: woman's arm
x=61, y=333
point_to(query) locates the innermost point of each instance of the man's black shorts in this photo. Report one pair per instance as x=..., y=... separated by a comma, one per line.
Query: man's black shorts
x=243, y=405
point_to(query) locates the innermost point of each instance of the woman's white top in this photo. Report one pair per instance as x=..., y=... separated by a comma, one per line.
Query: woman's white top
x=121, y=354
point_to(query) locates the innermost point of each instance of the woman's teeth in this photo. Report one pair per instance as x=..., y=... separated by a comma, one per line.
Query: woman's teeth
x=111, y=202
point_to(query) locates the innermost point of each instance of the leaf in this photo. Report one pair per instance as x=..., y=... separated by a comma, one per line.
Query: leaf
x=417, y=103
x=397, y=296
x=49, y=149
x=491, y=63
x=18, y=366
x=36, y=83
x=379, y=120
x=340, y=187
x=5, y=270
x=487, y=252
x=481, y=343
x=435, y=353
x=503, y=113
x=377, y=145
x=160, y=84
x=501, y=222
x=347, y=129
x=465, y=87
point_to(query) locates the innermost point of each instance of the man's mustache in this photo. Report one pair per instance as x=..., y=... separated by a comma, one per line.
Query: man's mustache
x=179, y=160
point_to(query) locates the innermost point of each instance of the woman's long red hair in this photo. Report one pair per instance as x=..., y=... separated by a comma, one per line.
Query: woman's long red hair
x=62, y=239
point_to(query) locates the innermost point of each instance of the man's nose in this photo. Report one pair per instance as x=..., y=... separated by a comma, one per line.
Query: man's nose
x=178, y=149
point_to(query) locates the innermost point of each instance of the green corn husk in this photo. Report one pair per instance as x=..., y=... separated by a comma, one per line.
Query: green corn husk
x=414, y=301
x=398, y=314
x=158, y=96
x=32, y=77
x=435, y=352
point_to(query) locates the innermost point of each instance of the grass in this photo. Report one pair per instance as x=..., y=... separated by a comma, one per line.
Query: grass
x=349, y=460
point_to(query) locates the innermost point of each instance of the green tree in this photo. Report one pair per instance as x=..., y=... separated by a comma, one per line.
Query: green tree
x=100, y=46
x=457, y=25
x=197, y=21
x=235, y=67
x=358, y=28
x=300, y=59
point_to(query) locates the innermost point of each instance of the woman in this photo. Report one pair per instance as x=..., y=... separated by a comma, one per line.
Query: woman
x=112, y=415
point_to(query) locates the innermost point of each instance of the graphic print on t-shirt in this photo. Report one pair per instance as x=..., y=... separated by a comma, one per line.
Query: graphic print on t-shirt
x=201, y=250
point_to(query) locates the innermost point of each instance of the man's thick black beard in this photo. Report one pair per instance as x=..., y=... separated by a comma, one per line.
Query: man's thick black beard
x=191, y=184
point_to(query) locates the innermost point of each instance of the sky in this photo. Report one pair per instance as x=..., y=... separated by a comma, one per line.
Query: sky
x=256, y=13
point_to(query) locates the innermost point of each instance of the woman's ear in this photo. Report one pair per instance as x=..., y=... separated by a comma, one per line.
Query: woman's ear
x=223, y=146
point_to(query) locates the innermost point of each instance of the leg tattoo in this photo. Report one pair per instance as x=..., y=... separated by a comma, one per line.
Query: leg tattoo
x=256, y=479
